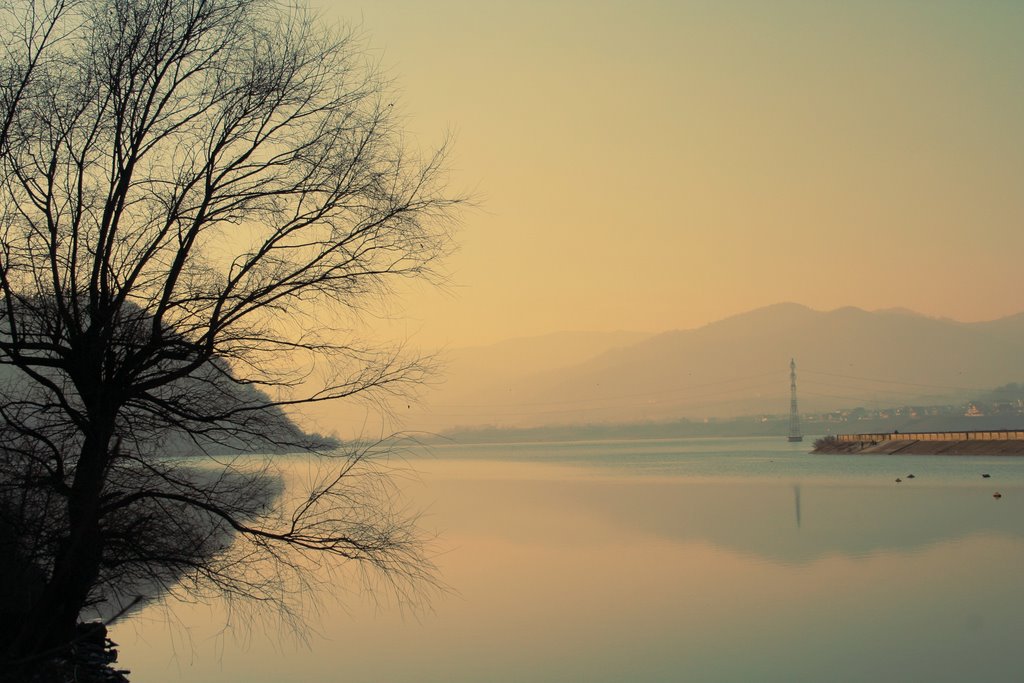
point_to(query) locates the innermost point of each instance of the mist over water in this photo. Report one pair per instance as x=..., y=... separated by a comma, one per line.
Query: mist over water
x=701, y=559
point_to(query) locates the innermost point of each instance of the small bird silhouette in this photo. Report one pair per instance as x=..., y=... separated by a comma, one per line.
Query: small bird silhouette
x=997, y=495
x=985, y=476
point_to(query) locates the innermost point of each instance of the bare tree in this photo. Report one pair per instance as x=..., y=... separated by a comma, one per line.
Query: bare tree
x=195, y=195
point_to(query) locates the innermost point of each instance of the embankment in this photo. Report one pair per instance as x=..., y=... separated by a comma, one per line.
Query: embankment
x=1000, y=442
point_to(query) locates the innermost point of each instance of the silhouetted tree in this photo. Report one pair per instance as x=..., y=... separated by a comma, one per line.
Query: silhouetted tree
x=195, y=198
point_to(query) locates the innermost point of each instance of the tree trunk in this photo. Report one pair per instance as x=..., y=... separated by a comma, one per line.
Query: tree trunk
x=50, y=625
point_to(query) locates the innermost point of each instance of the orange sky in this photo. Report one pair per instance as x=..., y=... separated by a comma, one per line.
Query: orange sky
x=659, y=164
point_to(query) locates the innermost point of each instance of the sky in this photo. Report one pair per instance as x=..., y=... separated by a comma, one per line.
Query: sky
x=652, y=165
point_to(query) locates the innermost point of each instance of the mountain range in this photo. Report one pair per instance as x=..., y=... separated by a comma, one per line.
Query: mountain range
x=845, y=358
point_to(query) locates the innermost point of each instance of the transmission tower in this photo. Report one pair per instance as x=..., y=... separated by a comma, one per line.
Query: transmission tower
x=794, y=414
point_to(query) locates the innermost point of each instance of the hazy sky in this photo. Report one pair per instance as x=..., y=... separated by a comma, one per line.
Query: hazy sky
x=652, y=165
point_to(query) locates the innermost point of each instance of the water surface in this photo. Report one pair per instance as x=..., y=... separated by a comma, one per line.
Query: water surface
x=677, y=560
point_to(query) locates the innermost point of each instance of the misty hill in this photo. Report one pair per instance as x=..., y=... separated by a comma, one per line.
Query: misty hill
x=740, y=366
x=284, y=433
x=477, y=381
x=540, y=354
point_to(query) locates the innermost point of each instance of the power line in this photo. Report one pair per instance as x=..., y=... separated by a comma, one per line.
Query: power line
x=888, y=381
x=660, y=392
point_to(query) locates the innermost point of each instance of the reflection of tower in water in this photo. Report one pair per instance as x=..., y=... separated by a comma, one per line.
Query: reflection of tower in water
x=794, y=415
x=796, y=501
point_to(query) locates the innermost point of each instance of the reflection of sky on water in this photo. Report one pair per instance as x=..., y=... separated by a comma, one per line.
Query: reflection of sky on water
x=760, y=518
x=770, y=498
x=566, y=573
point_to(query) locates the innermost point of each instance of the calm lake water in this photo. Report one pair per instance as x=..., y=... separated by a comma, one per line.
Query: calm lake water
x=678, y=560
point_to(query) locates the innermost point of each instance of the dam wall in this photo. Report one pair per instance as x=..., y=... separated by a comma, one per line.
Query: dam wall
x=995, y=435
x=990, y=442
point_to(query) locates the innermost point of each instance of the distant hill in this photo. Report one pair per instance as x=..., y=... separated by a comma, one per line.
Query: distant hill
x=476, y=383
x=509, y=359
x=286, y=435
x=736, y=366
